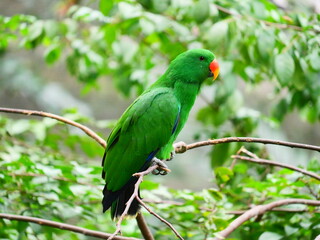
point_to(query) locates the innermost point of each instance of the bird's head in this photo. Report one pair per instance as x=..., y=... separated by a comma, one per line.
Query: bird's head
x=194, y=66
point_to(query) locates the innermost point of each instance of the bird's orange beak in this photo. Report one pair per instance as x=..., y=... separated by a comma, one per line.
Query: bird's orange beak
x=214, y=68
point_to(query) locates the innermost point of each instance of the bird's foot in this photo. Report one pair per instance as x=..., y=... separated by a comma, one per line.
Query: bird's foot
x=172, y=154
x=162, y=167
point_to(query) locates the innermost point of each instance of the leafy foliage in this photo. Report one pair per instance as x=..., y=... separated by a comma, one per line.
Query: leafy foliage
x=44, y=167
x=45, y=177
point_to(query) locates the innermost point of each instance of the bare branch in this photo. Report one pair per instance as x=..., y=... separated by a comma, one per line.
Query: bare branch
x=259, y=210
x=160, y=218
x=85, y=129
x=135, y=195
x=283, y=165
x=182, y=148
x=288, y=210
x=63, y=226
x=145, y=231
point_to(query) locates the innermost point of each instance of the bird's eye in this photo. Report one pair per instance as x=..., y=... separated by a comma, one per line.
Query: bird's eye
x=201, y=58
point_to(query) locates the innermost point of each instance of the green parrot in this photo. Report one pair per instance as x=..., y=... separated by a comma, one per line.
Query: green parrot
x=147, y=129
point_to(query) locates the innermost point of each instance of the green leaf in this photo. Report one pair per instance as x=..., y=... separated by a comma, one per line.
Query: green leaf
x=290, y=230
x=201, y=11
x=314, y=59
x=39, y=130
x=266, y=42
x=241, y=168
x=270, y=236
x=18, y=127
x=309, y=113
x=35, y=30
x=217, y=34
x=146, y=3
x=148, y=185
x=52, y=54
x=284, y=68
x=51, y=28
x=219, y=154
x=106, y=6
x=160, y=6
x=216, y=194
x=223, y=174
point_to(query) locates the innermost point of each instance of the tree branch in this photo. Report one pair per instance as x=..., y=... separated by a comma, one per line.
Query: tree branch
x=161, y=219
x=288, y=210
x=259, y=210
x=135, y=195
x=146, y=233
x=85, y=129
x=63, y=226
x=182, y=147
x=283, y=165
x=141, y=175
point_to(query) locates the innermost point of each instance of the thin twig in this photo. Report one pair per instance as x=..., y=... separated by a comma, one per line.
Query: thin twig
x=133, y=196
x=85, y=129
x=246, y=151
x=240, y=212
x=182, y=148
x=316, y=194
x=259, y=210
x=160, y=218
x=63, y=226
x=283, y=165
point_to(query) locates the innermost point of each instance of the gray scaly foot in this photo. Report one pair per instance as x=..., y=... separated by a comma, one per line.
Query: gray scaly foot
x=162, y=167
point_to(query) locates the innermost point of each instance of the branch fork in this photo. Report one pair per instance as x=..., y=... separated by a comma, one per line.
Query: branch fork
x=135, y=195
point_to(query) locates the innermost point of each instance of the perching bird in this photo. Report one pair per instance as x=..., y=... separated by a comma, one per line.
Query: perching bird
x=147, y=129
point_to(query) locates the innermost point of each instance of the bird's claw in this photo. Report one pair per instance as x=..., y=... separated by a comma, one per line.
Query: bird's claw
x=172, y=154
x=162, y=167
x=159, y=172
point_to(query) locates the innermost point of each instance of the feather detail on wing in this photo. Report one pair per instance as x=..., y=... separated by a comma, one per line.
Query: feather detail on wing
x=143, y=129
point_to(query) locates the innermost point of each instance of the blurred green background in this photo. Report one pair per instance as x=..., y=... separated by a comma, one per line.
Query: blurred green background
x=28, y=81
x=88, y=60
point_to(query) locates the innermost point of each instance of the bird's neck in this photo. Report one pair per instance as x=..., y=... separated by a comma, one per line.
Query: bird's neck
x=186, y=93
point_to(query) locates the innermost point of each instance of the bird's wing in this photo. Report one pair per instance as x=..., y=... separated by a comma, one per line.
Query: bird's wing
x=143, y=129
